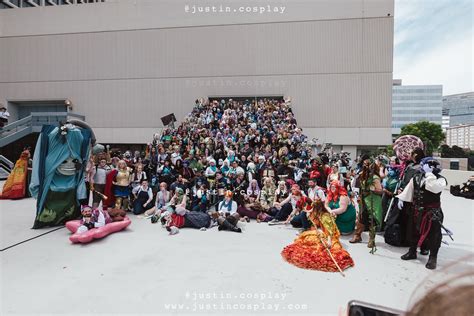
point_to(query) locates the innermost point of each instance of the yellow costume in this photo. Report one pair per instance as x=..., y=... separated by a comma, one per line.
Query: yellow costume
x=15, y=186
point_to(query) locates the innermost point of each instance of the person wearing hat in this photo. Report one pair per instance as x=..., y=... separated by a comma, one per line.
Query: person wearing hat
x=86, y=221
x=224, y=166
x=92, y=218
x=424, y=192
x=210, y=172
x=178, y=202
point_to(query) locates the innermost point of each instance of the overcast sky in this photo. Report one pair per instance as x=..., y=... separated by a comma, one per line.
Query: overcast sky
x=434, y=43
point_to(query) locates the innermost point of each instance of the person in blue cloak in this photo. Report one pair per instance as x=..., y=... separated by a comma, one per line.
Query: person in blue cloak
x=57, y=180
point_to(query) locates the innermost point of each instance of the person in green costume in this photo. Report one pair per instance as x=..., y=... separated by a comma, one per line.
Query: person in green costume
x=370, y=208
x=339, y=204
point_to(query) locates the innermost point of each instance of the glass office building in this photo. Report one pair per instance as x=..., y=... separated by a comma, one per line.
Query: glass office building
x=460, y=108
x=411, y=104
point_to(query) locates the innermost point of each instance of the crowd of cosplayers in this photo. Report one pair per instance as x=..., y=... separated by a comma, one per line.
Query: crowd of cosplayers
x=235, y=161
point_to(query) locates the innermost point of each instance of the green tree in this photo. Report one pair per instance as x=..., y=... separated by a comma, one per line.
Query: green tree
x=453, y=152
x=389, y=151
x=445, y=151
x=430, y=133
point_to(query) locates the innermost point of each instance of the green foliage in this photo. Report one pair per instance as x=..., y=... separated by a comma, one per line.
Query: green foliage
x=386, y=151
x=453, y=152
x=430, y=133
x=389, y=151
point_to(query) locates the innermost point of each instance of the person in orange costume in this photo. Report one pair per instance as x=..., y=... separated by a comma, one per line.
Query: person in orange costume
x=310, y=248
x=15, y=186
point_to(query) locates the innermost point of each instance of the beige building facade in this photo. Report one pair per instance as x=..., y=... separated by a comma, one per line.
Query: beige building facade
x=124, y=64
x=461, y=136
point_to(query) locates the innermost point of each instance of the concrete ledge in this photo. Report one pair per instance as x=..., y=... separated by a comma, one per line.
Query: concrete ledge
x=456, y=177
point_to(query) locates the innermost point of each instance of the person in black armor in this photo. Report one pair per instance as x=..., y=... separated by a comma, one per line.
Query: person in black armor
x=424, y=192
x=406, y=212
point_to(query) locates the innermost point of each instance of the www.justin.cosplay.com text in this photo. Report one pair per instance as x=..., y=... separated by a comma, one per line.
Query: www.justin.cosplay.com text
x=219, y=301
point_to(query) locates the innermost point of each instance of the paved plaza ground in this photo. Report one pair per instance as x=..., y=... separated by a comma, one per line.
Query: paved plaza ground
x=143, y=270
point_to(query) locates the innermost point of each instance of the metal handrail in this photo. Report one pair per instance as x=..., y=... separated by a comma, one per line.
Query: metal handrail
x=6, y=161
x=57, y=114
x=15, y=124
x=29, y=121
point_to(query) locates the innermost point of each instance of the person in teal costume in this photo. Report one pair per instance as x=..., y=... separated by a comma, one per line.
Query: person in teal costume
x=57, y=180
x=339, y=204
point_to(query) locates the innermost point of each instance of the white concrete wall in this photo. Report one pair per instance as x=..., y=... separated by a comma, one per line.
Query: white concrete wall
x=456, y=177
x=125, y=64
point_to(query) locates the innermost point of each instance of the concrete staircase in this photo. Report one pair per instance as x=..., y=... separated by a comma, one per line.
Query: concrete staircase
x=33, y=124
x=6, y=167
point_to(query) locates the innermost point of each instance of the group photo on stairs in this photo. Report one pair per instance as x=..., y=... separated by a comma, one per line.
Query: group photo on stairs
x=311, y=157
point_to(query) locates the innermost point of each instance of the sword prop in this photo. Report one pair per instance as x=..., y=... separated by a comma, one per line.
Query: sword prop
x=449, y=233
x=391, y=201
x=105, y=197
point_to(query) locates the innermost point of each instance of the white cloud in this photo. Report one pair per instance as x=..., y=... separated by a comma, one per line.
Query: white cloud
x=449, y=63
x=433, y=43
